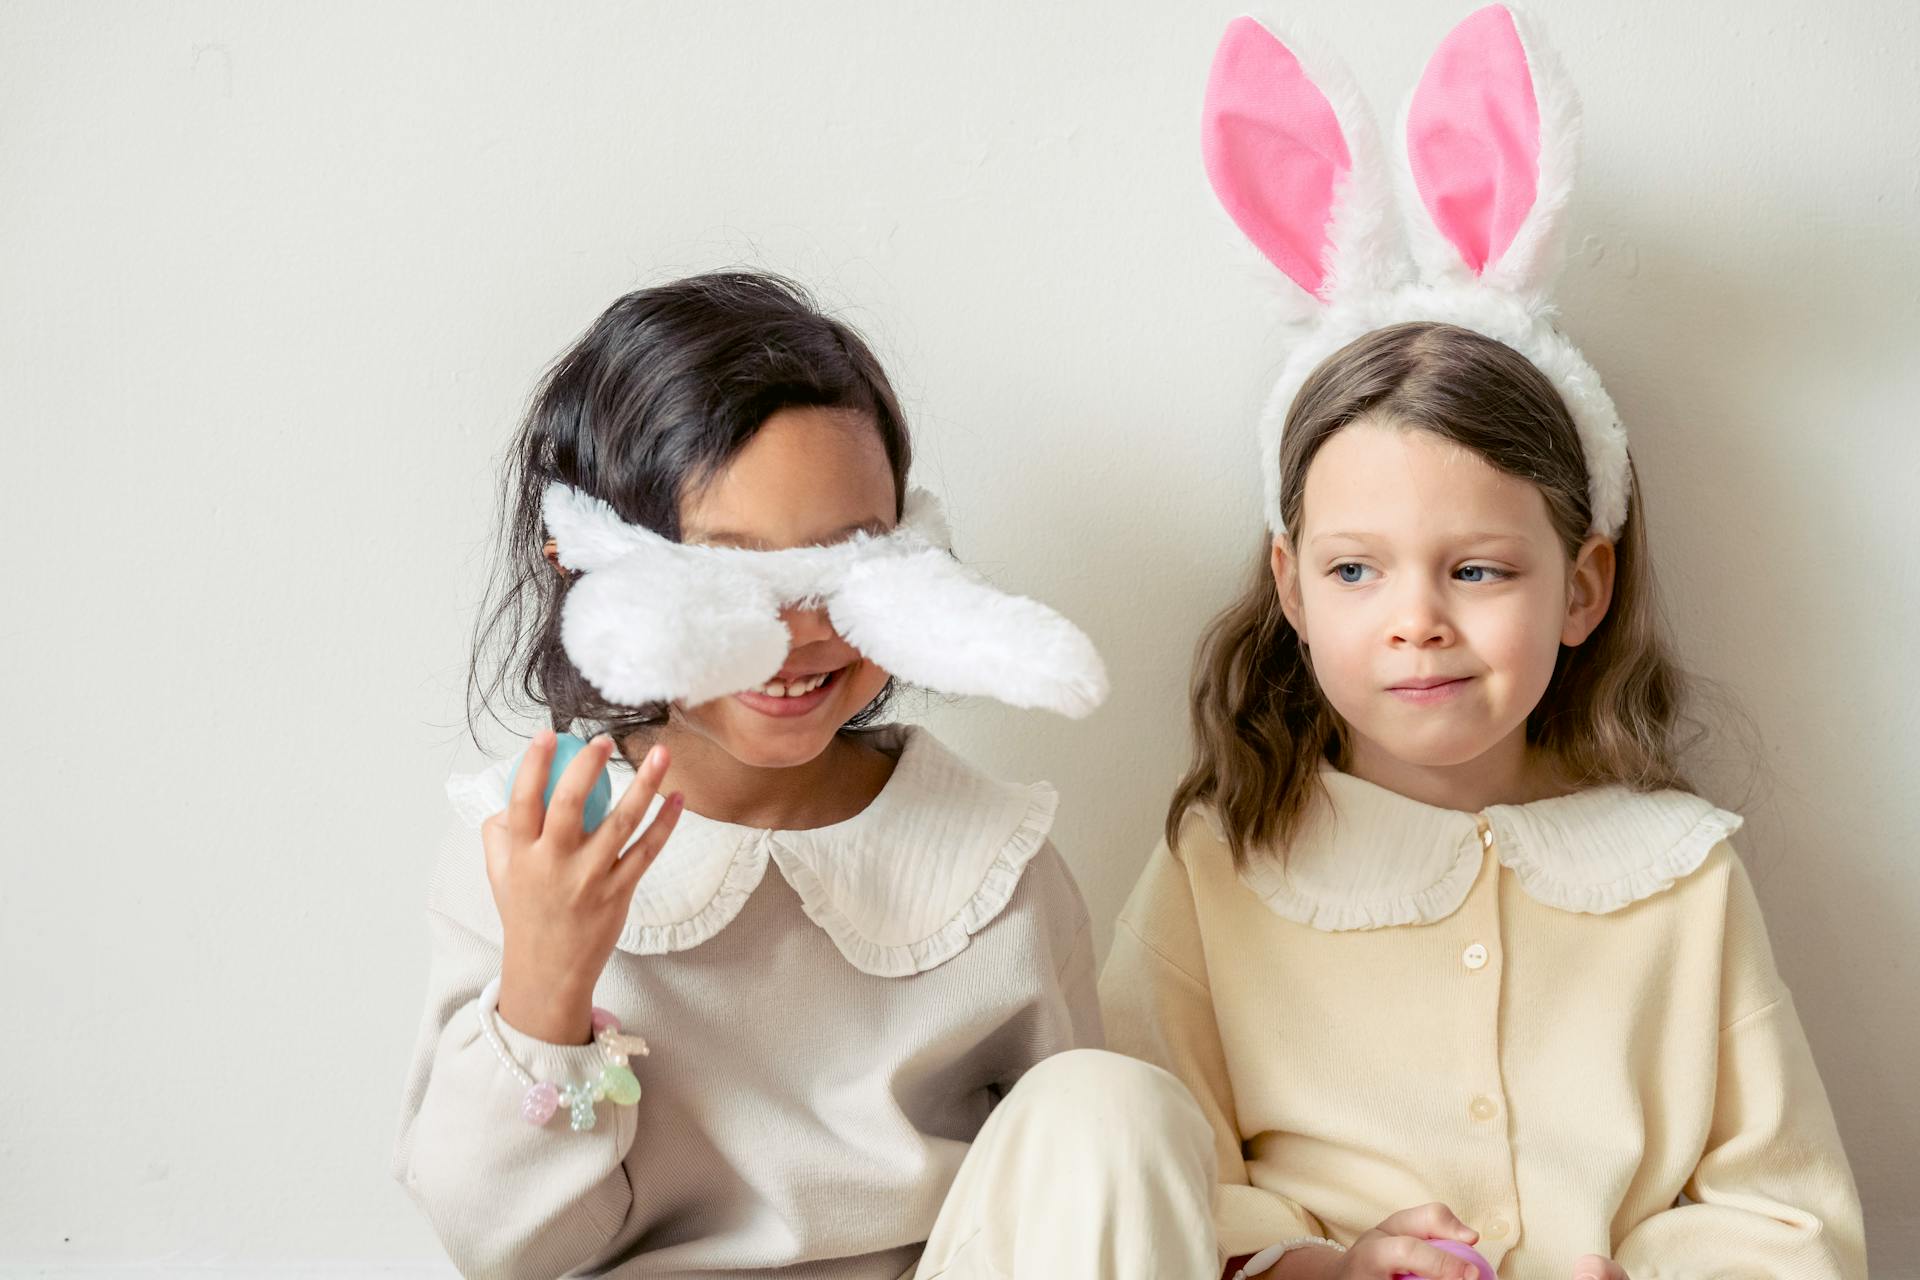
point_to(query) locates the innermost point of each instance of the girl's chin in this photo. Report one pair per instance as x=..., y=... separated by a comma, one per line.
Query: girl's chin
x=774, y=742
x=789, y=754
x=1440, y=750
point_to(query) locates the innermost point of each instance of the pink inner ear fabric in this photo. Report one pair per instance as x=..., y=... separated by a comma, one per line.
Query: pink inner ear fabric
x=1473, y=137
x=1273, y=150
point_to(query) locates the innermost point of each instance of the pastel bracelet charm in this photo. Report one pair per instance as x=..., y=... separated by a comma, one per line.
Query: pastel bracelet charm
x=615, y=1083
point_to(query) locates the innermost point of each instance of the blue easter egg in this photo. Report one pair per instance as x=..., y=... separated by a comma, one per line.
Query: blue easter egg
x=566, y=746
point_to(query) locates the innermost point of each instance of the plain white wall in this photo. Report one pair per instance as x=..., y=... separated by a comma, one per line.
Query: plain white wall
x=275, y=281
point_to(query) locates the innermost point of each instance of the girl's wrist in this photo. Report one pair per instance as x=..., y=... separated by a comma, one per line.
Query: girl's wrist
x=554, y=1012
x=1307, y=1262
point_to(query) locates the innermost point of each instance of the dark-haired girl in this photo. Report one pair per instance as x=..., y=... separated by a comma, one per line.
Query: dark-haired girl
x=849, y=950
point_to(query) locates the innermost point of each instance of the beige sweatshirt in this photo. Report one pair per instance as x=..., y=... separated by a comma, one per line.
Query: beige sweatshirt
x=1560, y=1018
x=832, y=1014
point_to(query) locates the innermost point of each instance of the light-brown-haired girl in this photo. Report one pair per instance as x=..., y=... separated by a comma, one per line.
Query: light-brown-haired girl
x=1436, y=922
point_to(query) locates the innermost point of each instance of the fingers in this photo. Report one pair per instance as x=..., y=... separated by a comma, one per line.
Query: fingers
x=562, y=829
x=612, y=835
x=1429, y=1222
x=1395, y=1255
x=640, y=854
x=1594, y=1267
x=526, y=807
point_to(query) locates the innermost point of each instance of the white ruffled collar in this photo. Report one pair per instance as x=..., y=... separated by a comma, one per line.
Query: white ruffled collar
x=1367, y=858
x=900, y=887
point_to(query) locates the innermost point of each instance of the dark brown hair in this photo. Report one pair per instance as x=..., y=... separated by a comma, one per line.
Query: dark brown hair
x=1612, y=712
x=652, y=401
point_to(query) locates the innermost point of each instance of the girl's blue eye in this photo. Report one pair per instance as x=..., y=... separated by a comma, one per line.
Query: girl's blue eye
x=1350, y=573
x=1478, y=573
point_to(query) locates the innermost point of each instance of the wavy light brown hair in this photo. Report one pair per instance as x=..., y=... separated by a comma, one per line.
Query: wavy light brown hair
x=1614, y=709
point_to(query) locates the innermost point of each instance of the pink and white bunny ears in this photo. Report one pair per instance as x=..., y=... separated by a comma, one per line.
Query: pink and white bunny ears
x=1490, y=135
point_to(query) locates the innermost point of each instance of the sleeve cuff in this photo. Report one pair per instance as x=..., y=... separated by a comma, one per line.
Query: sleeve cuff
x=1250, y=1219
x=542, y=1059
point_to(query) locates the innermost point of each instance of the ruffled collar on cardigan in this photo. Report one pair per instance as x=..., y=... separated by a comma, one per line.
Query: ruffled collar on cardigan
x=1366, y=857
x=900, y=887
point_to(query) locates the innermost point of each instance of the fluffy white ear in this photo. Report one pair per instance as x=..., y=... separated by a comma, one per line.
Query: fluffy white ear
x=926, y=619
x=1295, y=158
x=1491, y=139
x=923, y=514
x=587, y=532
x=659, y=625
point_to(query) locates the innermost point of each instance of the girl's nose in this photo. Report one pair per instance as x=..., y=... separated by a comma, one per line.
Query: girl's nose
x=807, y=626
x=1420, y=622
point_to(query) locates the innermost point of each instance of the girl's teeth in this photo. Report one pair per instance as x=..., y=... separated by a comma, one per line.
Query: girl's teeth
x=797, y=689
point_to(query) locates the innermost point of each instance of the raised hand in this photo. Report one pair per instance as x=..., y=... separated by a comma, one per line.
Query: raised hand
x=563, y=894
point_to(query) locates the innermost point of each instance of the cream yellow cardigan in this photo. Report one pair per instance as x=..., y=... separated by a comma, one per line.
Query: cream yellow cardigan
x=1560, y=1018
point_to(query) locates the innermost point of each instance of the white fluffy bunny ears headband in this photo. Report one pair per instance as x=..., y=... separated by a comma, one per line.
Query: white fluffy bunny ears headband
x=653, y=620
x=1490, y=138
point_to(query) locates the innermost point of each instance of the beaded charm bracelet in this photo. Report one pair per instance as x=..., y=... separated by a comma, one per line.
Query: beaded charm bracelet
x=616, y=1080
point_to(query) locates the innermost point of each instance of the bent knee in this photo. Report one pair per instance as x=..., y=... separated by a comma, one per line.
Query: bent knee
x=1098, y=1085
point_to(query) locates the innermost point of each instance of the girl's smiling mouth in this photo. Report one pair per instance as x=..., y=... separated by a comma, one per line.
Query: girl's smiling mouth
x=793, y=695
x=1429, y=689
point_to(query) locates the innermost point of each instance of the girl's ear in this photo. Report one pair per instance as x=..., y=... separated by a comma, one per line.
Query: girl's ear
x=1589, y=590
x=1286, y=581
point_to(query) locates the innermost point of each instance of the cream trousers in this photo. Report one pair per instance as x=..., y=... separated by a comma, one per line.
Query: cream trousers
x=1094, y=1165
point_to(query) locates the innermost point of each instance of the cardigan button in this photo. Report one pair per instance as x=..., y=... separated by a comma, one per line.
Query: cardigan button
x=1483, y=1108
x=1474, y=957
x=1498, y=1228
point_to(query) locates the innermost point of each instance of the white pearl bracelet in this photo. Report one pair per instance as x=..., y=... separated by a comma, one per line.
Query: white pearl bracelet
x=1268, y=1256
x=615, y=1082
